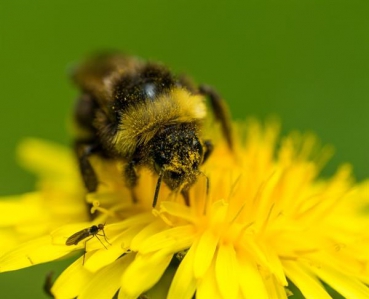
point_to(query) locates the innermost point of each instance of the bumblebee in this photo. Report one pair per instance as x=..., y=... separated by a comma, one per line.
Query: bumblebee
x=140, y=113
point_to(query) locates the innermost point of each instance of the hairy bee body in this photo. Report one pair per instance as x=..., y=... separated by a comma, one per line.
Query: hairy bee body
x=142, y=114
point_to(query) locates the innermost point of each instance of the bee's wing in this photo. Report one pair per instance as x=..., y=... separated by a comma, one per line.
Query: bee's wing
x=98, y=74
x=77, y=237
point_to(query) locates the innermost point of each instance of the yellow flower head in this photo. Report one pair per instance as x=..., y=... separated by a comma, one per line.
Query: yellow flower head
x=259, y=219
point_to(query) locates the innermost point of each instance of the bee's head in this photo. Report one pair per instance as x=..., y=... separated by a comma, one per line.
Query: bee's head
x=177, y=155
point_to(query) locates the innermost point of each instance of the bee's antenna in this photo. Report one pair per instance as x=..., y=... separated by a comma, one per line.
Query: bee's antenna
x=157, y=189
x=207, y=182
x=207, y=191
x=186, y=197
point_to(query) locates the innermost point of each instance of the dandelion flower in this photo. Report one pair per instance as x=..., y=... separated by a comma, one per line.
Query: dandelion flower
x=259, y=220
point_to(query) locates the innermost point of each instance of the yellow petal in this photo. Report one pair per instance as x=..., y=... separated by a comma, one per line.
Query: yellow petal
x=39, y=156
x=106, y=282
x=346, y=285
x=146, y=232
x=143, y=273
x=204, y=253
x=22, y=208
x=175, y=239
x=274, y=288
x=178, y=210
x=72, y=281
x=132, y=221
x=208, y=286
x=184, y=283
x=226, y=267
x=307, y=283
x=31, y=253
x=8, y=240
x=250, y=280
x=275, y=265
x=104, y=256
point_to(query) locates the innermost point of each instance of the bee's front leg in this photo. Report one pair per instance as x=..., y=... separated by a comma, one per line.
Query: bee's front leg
x=221, y=112
x=84, y=151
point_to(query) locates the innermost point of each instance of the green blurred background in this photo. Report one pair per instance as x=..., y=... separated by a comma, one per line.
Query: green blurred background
x=305, y=61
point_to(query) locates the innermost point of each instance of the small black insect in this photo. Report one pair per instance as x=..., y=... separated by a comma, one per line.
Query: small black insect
x=91, y=232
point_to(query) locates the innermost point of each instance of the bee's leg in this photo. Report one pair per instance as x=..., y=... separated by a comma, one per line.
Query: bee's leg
x=157, y=189
x=84, y=113
x=131, y=178
x=220, y=111
x=209, y=147
x=186, y=196
x=84, y=150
